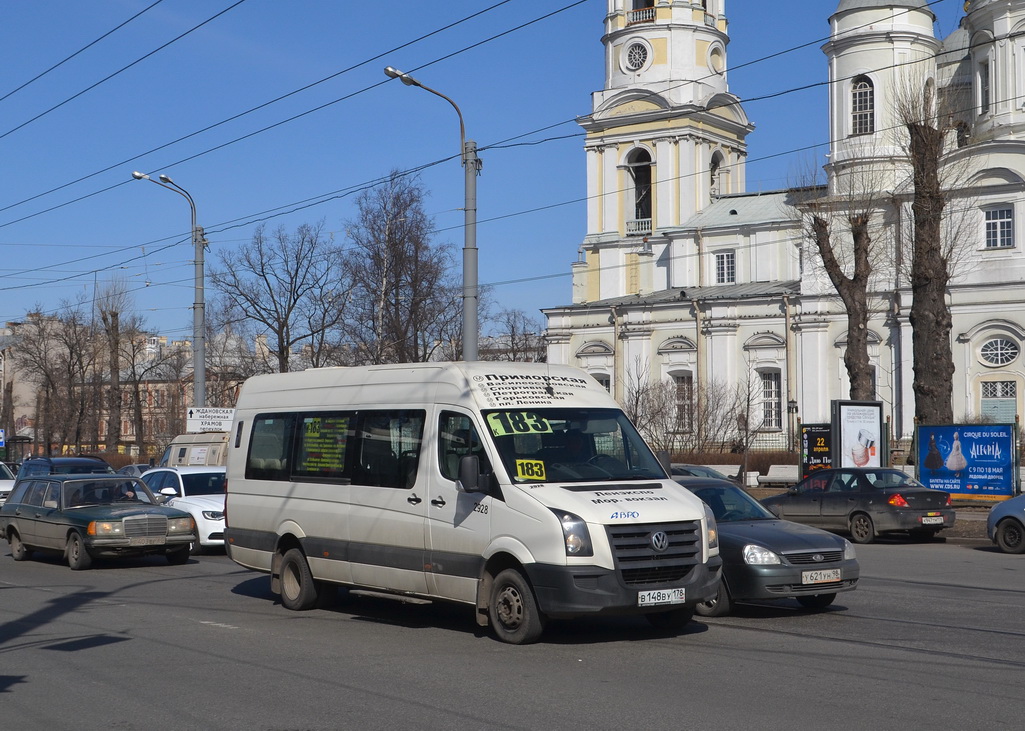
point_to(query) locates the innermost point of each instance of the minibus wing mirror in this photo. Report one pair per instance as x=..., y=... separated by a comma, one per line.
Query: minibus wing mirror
x=664, y=460
x=469, y=473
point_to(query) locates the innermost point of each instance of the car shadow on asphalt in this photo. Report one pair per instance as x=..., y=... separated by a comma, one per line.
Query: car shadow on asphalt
x=460, y=618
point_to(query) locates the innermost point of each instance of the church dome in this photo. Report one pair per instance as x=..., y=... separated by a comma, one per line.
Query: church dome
x=956, y=46
x=847, y=5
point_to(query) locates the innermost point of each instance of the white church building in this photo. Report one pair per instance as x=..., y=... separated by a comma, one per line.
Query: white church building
x=685, y=278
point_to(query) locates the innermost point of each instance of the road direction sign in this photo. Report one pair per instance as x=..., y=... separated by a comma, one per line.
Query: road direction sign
x=208, y=419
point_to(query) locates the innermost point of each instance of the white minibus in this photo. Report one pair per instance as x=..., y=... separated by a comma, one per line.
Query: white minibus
x=519, y=489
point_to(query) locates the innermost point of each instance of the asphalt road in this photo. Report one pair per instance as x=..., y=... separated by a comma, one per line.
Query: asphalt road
x=934, y=637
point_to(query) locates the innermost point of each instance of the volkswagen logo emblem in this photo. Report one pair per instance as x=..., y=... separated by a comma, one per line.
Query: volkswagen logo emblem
x=659, y=541
x=818, y=558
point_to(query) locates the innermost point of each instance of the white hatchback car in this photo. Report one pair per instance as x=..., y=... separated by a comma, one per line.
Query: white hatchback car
x=6, y=482
x=198, y=490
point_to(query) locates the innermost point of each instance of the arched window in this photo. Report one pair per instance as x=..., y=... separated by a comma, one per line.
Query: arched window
x=862, y=106
x=639, y=165
x=716, y=175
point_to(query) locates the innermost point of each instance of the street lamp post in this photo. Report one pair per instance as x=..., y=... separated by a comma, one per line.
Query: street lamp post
x=199, y=306
x=471, y=166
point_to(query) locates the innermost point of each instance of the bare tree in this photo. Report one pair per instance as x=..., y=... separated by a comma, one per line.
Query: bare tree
x=58, y=354
x=516, y=338
x=112, y=302
x=848, y=259
x=289, y=284
x=930, y=317
x=652, y=406
x=749, y=419
x=714, y=419
x=404, y=306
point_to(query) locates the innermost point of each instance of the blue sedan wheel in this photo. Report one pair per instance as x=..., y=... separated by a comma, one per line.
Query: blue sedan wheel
x=1011, y=536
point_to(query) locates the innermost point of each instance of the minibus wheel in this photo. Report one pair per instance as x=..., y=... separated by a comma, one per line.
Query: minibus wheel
x=513, y=611
x=298, y=590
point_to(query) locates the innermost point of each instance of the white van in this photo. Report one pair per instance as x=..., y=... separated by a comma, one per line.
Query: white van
x=521, y=489
x=200, y=449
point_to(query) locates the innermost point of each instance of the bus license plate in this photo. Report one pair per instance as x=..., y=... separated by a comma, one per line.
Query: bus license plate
x=661, y=596
x=820, y=577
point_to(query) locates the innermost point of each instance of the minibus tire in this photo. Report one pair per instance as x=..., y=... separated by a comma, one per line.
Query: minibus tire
x=298, y=589
x=513, y=611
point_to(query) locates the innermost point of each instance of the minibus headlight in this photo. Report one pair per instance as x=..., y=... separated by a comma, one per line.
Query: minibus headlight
x=713, y=530
x=574, y=534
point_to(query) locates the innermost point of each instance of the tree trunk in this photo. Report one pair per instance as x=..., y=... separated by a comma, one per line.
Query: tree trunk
x=929, y=316
x=853, y=292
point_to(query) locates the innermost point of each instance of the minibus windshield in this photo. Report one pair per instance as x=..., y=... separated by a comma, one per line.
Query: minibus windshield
x=570, y=445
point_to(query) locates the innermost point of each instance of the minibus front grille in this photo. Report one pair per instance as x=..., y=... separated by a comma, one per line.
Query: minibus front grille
x=638, y=560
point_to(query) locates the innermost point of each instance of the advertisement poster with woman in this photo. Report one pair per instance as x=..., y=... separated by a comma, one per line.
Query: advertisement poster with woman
x=972, y=460
x=858, y=434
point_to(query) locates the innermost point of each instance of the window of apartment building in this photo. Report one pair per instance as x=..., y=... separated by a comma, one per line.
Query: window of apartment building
x=999, y=402
x=863, y=113
x=604, y=380
x=772, y=404
x=726, y=267
x=999, y=227
x=684, y=383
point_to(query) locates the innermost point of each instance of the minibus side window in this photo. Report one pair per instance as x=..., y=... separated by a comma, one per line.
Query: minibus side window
x=387, y=448
x=269, y=447
x=457, y=437
x=324, y=440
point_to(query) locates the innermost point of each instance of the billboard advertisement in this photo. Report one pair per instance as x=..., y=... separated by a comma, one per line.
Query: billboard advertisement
x=858, y=434
x=973, y=461
x=816, y=447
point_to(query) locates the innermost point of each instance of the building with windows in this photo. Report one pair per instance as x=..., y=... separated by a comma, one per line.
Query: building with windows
x=685, y=279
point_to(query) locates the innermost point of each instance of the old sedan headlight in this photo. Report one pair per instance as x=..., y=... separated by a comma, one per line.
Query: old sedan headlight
x=213, y=514
x=758, y=556
x=180, y=526
x=114, y=528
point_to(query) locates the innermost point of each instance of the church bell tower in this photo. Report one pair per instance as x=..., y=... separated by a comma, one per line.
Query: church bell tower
x=665, y=138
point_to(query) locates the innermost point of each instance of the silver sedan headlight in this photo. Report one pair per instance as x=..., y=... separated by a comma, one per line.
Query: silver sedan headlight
x=759, y=556
x=848, y=550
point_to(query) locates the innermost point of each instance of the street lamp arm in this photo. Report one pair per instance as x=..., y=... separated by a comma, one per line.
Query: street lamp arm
x=410, y=81
x=172, y=186
x=471, y=164
x=199, y=306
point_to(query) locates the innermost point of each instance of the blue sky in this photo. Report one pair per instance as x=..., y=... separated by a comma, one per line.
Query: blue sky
x=140, y=99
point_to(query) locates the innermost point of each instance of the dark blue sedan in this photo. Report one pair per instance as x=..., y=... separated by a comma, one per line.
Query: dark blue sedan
x=768, y=558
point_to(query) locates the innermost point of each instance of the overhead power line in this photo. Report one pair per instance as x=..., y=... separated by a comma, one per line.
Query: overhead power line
x=86, y=47
x=119, y=71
